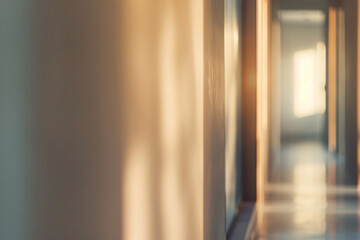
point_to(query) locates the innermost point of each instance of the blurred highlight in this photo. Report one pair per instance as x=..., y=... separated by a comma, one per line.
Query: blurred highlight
x=332, y=68
x=163, y=180
x=262, y=75
x=232, y=109
x=310, y=81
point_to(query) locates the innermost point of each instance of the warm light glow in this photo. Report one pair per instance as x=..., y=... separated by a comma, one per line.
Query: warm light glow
x=163, y=128
x=262, y=73
x=181, y=123
x=309, y=86
x=137, y=189
x=332, y=69
x=231, y=85
x=358, y=91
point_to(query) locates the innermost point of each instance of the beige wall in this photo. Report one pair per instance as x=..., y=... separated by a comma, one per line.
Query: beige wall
x=162, y=95
x=119, y=101
x=117, y=119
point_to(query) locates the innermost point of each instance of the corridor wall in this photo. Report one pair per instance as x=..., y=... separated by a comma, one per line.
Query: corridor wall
x=120, y=128
x=112, y=116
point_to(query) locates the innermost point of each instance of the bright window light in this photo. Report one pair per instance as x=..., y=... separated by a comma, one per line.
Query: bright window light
x=309, y=81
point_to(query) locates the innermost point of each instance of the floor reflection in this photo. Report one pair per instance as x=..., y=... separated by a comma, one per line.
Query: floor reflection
x=306, y=198
x=311, y=218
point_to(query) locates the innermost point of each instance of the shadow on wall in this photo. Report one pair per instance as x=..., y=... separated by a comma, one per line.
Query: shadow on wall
x=77, y=151
x=15, y=69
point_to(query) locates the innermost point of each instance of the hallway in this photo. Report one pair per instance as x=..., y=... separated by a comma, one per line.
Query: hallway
x=308, y=160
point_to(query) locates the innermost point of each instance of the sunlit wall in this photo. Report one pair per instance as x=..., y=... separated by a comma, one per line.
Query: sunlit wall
x=102, y=107
x=161, y=55
x=120, y=120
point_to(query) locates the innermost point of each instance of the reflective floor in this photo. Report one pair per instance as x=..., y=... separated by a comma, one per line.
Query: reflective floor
x=310, y=195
